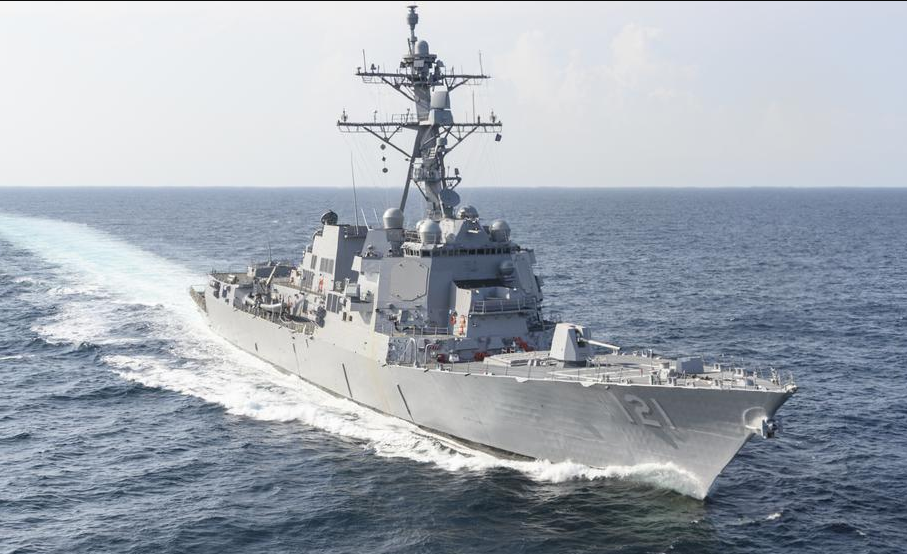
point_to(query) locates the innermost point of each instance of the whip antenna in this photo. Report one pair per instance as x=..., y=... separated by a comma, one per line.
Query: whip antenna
x=355, y=200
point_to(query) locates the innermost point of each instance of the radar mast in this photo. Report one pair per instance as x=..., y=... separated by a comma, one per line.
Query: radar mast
x=424, y=80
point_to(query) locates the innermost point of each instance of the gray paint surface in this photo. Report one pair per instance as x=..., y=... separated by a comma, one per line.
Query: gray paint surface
x=443, y=325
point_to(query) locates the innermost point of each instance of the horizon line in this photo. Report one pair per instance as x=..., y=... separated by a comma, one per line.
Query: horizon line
x=512, y=187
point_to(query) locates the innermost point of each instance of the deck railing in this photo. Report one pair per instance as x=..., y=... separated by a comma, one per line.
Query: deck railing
x=502, y=305
x=727, y=380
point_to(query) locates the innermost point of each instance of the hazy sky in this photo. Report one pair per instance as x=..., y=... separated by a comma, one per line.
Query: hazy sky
x=605, y=94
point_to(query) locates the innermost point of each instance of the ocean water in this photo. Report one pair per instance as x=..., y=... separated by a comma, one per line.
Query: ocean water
x=127, y=426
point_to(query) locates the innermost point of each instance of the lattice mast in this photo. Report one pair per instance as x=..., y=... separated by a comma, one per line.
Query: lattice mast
x=424, y=80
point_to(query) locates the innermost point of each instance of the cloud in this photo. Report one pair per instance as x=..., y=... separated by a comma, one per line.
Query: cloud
x=590, y=93
x=622, y=104
x=630, y=60
x=549, y=79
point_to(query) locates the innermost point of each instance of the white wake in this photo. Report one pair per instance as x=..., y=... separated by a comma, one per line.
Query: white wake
x=102, y=285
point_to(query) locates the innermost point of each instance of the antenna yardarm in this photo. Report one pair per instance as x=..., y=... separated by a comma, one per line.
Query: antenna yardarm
x=424, y=80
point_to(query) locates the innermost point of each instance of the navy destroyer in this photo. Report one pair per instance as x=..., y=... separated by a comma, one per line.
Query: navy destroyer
x=442, y=323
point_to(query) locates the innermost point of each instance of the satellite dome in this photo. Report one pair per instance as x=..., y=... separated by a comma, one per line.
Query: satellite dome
x=329, y=218
x=429, y=231
x=393, y=218
x=500, y=231
x=467, y=212
x=422, y=48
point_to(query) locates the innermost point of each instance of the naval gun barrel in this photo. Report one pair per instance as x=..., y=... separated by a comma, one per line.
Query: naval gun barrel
x=615, y=348
x=271, y=276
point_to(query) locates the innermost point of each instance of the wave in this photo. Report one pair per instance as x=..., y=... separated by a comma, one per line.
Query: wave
x=114, y=294
x=266, y=394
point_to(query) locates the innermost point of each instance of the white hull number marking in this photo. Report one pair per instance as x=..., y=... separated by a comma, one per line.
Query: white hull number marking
x=645, y=413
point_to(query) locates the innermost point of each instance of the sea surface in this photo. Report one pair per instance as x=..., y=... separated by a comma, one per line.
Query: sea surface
x=127, y=426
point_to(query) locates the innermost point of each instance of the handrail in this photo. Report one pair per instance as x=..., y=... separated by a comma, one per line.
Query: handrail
x=404, y=118
x=499, y=305
x=623, y=375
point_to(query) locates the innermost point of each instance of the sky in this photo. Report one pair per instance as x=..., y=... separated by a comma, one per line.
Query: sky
x=590, y=94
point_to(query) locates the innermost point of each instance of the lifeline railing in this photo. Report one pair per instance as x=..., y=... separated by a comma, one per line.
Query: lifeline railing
x=729, y=379
x=501, y=305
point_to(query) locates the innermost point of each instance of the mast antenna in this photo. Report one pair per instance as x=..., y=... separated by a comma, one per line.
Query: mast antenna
x=355, y=200
x=425, y=81
x=412, y=18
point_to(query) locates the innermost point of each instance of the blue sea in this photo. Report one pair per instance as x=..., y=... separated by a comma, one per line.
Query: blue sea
x=127, y=426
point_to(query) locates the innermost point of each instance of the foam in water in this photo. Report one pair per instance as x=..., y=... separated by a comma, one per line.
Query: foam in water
x=109, y=286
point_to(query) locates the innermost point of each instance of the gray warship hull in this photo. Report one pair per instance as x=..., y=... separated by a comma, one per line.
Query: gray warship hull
x=444, y=324
x=691, y=430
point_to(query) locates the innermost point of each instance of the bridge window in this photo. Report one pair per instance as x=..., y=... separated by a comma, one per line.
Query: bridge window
x=327, y=265
x=308, y=278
